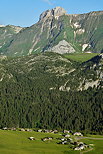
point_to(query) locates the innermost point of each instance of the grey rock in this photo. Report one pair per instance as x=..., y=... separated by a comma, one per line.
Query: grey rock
x=56, y=12
x=62, y=47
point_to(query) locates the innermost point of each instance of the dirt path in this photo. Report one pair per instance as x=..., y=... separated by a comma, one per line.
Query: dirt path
x=86, y=151
x=89, y=138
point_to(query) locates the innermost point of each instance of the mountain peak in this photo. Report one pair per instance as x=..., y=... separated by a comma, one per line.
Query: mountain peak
x=56, y=12
x=2, y=26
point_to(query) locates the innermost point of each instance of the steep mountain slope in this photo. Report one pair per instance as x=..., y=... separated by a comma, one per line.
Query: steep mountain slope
x=49, y=91
x=73, y=75
x=59, y=32
x=7, y=33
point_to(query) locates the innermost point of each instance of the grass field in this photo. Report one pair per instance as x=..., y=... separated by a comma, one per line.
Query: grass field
x=80, y=57
x=16, y=142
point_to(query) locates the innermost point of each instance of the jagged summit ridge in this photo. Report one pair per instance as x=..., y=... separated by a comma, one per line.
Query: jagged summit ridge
x=55, y=31
x=56, y=12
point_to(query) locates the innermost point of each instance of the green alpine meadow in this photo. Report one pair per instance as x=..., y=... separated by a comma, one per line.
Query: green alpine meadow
x=51, y=84
x=14, y=142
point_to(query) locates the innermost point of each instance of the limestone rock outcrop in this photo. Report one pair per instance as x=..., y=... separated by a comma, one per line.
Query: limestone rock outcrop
x=56, y=12
x=62, y=47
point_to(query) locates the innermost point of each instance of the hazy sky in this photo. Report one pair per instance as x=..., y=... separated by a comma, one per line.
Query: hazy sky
x=26, y=12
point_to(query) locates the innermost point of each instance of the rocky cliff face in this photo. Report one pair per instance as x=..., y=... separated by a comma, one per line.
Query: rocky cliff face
x=56, y=12
x=56, y=31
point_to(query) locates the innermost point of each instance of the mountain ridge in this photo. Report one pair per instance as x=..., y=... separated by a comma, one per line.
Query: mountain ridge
x=83, y=32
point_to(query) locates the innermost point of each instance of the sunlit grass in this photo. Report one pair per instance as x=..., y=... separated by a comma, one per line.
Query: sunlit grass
x=17, y=142
x=80, y=57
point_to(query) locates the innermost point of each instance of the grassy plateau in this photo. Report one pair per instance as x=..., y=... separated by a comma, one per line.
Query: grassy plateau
x=80, y=57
